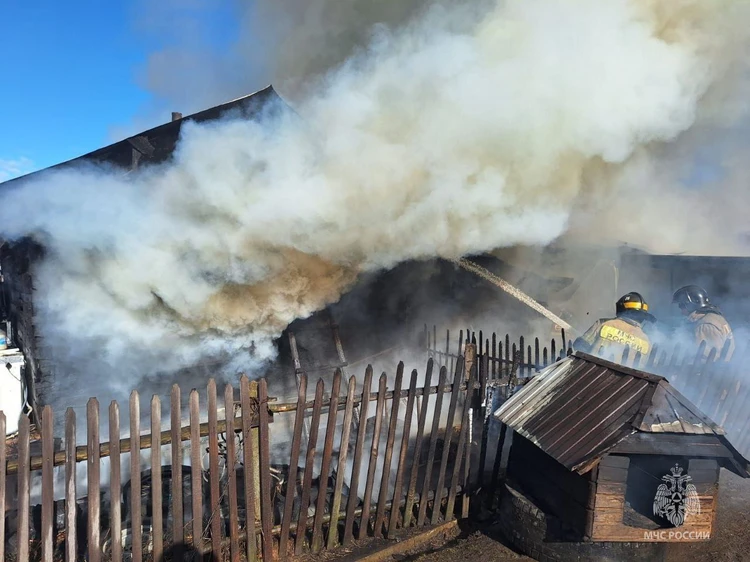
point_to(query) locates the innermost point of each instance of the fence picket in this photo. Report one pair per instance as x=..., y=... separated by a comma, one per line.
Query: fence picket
x=358, y=451
x=390, y=441
x=157, y=523
x=341, y=465
x=92, y=478
x=410, y=494
x=494, y=355
x=461, y=450
x=291, y=485
x=71, y=542
x=135, y=477
x=115, y=481
x=266, y=512
x=458, y=377
x=23, y=487
x=401, y=467
x=325, y=467
x=48, y=493
x=196, y=472
x=214, y=512
x=433, y=446
x=249, y=466
x=231, y=467
x=312, y=441
x=371, y=469
x=178, y=521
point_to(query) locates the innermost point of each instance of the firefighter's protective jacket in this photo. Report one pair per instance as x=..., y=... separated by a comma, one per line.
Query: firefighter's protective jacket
x=609, y=337
x=709, y=325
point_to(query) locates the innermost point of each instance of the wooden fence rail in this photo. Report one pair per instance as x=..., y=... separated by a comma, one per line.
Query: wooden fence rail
x=241, y=486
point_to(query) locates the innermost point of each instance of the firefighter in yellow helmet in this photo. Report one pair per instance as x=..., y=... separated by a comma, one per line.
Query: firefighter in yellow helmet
x=609, y=337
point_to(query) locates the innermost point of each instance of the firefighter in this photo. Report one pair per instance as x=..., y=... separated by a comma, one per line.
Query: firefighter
x=704, y=322
x=609, y=337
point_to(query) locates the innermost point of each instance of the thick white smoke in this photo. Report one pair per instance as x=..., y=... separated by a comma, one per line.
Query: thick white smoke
x=456, y=134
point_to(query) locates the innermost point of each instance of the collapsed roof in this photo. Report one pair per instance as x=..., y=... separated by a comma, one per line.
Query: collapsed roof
x=582, y=408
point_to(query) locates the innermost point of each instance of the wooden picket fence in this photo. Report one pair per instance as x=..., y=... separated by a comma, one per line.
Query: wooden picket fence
x=372, y=463
x=719, y=384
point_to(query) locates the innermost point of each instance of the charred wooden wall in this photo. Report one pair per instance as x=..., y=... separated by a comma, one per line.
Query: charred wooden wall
x=557, y=491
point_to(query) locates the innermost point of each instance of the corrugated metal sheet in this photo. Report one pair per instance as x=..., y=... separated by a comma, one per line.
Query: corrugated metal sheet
x=583, y=406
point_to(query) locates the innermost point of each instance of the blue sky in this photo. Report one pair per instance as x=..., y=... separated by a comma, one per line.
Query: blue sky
x=73, y=71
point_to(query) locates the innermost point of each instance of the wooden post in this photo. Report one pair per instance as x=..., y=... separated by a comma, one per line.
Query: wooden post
x=470, y=358
x=255, y=450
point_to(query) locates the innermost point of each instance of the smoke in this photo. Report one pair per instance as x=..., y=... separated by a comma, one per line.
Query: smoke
x=459, y=131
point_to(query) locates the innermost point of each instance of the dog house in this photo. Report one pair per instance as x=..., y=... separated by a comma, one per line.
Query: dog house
x=605, y=453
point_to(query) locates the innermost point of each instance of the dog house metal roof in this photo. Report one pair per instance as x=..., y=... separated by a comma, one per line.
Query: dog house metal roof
x=582, y=407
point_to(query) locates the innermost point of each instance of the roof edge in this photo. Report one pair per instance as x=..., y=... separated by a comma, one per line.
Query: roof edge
x=268, y=90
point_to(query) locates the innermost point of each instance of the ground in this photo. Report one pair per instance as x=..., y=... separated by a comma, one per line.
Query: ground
x=481, y=545
x=730, y=543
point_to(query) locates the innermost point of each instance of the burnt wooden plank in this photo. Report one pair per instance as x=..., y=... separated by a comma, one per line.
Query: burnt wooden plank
x=401, y=467
x=494, y=355
x=291, y=485
x=372, y=467
x=71, y=543
x=325, y=466
x=411, y=492
x=93, y=480
x=307, y=479
x=266, y=509
x=466, y=488
x=196, y=474
x=457, y=379
x=48, y=493
x=3, y=454
x=432, y=448
x=461, y=450
x=213, y=469
x=358, y=452
x=249, y=464
x=157, y=523
x=485, y=421
x=115, y=481
x=390, y=442
x=135, y=477
x=333, y=524
x=23, y=488
x=178, y=522
x=234, y=520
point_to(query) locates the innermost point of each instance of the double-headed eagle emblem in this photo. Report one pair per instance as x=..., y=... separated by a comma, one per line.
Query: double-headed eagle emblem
x=676, y=497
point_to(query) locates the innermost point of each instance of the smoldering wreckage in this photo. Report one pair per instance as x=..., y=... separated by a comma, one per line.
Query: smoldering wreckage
x=207, y=247
x=625, y=414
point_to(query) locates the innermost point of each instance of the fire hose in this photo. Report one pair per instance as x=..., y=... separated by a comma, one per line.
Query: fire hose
x=512, y=291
